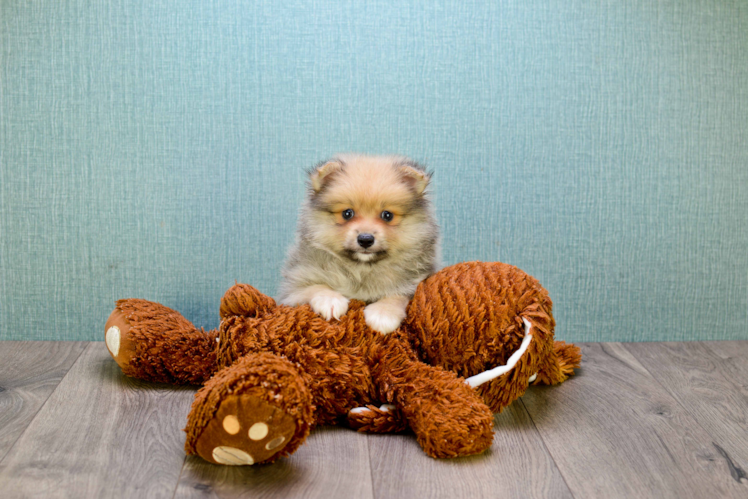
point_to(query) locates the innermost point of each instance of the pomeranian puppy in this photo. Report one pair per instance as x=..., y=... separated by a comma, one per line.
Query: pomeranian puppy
x=366, y=231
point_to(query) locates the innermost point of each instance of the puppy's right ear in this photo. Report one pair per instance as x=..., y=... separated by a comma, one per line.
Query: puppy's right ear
x=415, y=176
x=323, y=173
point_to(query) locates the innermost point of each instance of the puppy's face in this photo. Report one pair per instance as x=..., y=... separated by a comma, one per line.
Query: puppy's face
x=366, y=209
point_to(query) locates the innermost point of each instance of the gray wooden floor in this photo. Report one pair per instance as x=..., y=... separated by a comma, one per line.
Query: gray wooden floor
x=639, y=420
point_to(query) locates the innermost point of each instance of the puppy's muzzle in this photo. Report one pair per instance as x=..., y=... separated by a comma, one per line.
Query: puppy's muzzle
x=365, y=240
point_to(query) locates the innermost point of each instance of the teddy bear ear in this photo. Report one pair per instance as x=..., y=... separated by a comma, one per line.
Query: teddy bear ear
x=323, y=173
x=245, y=300
x=415, y=176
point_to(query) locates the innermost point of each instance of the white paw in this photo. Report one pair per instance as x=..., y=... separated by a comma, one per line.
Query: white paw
x=329, y=304
x=384, y=318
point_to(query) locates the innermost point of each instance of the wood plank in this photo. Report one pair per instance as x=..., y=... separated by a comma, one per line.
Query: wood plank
x=29, y=372
x=711, y=388
x=734, y=356
x=614, y=431
x=516, y=465
x=100, y=434
x=333, y=463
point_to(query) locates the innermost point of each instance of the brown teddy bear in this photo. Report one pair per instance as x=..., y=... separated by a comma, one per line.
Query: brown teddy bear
x=475, y=336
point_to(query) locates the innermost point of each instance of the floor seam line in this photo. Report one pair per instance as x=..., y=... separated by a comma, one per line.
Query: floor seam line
x=371, y=471
x=2, y=459
x=179, y=477
x=545, y=447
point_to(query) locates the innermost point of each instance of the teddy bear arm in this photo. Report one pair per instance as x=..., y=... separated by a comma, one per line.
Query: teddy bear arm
x=447, y=416
x=155, y=343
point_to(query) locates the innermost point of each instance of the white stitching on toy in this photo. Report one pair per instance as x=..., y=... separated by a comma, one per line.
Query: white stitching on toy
x=487, y=375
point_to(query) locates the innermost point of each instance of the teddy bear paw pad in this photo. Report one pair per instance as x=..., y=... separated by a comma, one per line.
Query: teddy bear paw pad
x=118, y=340
x=112, y=340
x=227, y=455
x=245, y=430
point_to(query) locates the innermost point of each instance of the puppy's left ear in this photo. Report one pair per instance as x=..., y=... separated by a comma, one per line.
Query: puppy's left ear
x=416, y=177
x=323, y=173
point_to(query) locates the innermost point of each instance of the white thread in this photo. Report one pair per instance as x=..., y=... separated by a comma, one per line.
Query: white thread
x=487, y=375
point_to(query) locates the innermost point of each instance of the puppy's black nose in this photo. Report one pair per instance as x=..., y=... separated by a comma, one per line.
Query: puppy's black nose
x=365, y=240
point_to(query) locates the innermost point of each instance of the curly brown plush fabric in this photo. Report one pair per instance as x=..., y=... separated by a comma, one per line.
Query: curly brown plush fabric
x=161, y=345
x=277, y=371
x=470, y=320
x=260, y=376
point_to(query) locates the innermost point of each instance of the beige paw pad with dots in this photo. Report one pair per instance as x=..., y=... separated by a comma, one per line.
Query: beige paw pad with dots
x=258, y=431
x=274, y=443
x=227, y=455
x=245, y=430
x=231, y=424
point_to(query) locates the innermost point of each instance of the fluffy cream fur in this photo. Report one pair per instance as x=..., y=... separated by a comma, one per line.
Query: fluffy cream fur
x=327, y=266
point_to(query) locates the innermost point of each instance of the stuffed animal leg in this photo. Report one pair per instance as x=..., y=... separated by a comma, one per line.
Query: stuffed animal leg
x=447, y=416
x=255, y=411
x=152, y=342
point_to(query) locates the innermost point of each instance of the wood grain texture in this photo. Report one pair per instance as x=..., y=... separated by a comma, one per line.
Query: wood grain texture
x=100, y=434
x=733, y=355
x=333, y=463
x=516, y=466
x=712, y=389
x=638, y=420
x=614, y=431
x=29, y=372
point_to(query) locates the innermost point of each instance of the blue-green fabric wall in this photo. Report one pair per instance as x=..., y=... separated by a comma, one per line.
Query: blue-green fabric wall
x=156, y=149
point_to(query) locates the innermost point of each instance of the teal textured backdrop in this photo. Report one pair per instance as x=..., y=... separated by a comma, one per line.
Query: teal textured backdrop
x=156, y=149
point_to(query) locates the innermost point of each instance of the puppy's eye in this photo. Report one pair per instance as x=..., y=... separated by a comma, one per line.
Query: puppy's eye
x=347, y=214
x=386, y=216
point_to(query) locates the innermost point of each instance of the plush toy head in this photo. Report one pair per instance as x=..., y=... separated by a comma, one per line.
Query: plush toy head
x=471, y=317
